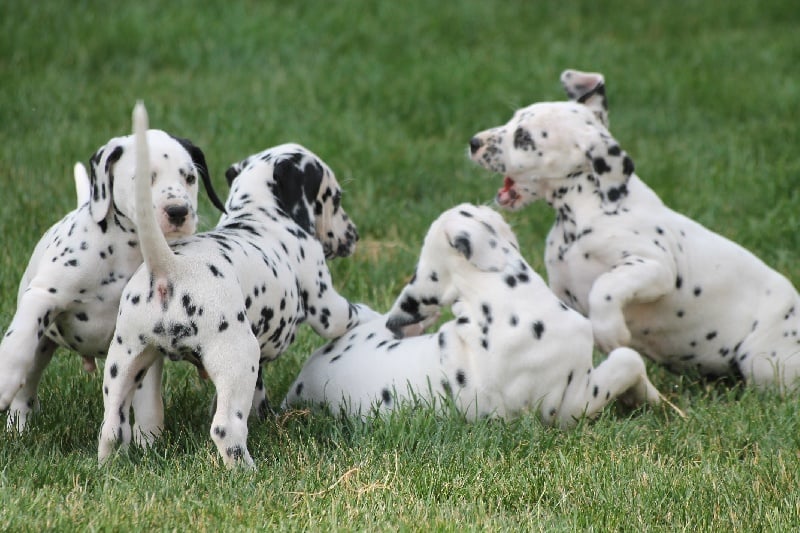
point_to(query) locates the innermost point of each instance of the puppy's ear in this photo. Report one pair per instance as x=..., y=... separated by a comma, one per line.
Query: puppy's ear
x=233, y=171
x=478, y=238
x=588, y=88
x=101, y=178
x=199, y=160
x=297, y=182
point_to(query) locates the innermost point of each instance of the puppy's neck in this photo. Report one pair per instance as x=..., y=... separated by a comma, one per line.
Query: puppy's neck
x=479, y=318
x=579, y=198
x=474, y=286
x=246, y=206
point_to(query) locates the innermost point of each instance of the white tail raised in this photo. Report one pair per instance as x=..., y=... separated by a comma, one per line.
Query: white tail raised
x=83, y=187
x=155, y=250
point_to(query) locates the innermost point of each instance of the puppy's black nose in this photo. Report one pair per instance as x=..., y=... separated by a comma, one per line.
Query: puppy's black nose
x=475, y=144
x=177, y=214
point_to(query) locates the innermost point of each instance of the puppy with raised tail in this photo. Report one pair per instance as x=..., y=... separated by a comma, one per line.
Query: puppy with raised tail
x=231, y=298
x=511, y=347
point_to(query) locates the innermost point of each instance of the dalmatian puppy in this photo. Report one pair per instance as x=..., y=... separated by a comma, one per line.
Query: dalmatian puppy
x=70, y=291
x=646, y=276
x=232, y=298
x=512, y=346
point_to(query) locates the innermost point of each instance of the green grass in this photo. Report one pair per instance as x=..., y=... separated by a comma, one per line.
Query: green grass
x=704, y=96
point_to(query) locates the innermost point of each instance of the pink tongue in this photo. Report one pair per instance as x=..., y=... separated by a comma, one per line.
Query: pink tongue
x=507, y=194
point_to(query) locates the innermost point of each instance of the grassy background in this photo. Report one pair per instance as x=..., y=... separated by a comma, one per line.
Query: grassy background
x=704, y=96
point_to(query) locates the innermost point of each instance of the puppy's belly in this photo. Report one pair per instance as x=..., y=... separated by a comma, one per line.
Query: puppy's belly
x=83, y=331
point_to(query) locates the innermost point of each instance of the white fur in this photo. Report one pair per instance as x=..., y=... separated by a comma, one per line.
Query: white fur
x=511, y=347
x=646, y=276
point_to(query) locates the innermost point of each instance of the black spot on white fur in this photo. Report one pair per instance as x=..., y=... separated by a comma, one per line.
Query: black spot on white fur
x=463, y=245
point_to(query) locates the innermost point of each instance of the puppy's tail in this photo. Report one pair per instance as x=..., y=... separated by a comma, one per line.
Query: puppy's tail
x=155, y=250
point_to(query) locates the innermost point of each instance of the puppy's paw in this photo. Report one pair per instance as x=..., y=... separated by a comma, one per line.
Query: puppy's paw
x=144, y=436
x=18, y=412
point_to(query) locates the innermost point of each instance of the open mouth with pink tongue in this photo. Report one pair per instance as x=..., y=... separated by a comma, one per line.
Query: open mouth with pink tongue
x=507, y=195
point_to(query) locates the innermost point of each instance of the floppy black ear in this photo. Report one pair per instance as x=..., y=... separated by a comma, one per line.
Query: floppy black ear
x=232, y=172
x=101, y=179
x=199, y=160
x=297, y=184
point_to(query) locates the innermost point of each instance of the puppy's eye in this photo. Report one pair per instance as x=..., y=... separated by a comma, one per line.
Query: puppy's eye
x=191, y=178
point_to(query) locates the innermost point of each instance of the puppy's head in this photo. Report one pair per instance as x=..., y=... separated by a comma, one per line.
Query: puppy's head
x=304, y=187
x=462, y=241
x=176, y=166
x=546, y=145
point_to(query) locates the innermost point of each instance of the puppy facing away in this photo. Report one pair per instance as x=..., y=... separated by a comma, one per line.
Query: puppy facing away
x=231, y=298
x=512, y=346
x=70, y=291
x=647, y=276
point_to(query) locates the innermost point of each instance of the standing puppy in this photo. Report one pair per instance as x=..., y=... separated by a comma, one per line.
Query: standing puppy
x=231, y=298
x=646, y=276
x=70, y=291
x=512, y=346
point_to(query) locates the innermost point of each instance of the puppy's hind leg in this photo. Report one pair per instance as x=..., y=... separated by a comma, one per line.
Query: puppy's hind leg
x=260, y=407
x=26, y=399
x=148, y=406
x=622, y=375
x=123, y=373
x=232, y=364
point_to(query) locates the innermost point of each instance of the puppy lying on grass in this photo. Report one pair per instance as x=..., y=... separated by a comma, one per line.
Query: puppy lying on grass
x=511, y=347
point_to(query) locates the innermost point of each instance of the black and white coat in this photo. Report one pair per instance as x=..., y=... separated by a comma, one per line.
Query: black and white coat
x=232, y=298
x=511, y=347
x=647, y=276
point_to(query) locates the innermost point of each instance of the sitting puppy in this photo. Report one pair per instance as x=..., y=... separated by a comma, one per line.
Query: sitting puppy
x=646, y=276
x=231, y=298
x=70, y=291
x=512, y=346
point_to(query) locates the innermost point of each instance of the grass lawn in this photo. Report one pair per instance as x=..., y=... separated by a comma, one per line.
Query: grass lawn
x=704, y=96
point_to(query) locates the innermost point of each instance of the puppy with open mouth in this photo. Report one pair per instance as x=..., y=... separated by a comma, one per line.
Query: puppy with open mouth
x=646, y=276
